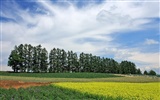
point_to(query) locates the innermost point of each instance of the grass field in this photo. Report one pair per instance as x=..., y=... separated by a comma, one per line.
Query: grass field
x=60, y=75
x=76, y=77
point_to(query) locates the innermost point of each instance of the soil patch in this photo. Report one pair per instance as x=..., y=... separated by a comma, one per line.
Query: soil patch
x=19, y=84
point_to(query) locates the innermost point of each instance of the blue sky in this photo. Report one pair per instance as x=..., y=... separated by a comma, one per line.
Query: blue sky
x=123, y=30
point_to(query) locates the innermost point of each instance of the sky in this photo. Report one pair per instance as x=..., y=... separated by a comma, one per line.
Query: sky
x=118, y=29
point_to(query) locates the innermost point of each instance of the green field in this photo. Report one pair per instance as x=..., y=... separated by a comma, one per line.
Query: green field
x=45, y=93
x=60, y=75
x=76, y=77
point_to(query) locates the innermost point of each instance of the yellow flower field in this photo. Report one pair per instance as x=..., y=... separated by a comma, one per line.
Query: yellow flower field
x=132, y=91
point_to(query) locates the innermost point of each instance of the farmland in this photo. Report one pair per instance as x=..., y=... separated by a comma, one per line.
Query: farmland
x=88, y=86
x=60, y=75
x=44, y=93
x=128, y=91
x=133, y=79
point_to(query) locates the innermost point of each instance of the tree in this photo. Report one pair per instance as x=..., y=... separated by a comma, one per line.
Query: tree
x=98, y=64
x=127, y=67
x=63, y=60
x=35, y=59
x=53, y=60
x=76, y=67
x=151, y=72
x=87, y=63
x=113, y=66
x=81, y=61
x=43, y=60
x=92, y=63
x=139, y=71
x=145, y=72
x=25, y=57
x=14, y=60
x=38, y=49
x=30, y=58
x=70, y=67
x=59, y=60
x=20, y=50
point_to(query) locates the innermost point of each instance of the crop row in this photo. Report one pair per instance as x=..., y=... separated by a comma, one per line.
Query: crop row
x=45, y=93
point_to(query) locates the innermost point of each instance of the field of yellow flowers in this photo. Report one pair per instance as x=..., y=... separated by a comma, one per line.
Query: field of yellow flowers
x=127, y=91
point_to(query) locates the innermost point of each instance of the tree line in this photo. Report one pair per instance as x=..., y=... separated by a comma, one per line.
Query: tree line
x=28, y=58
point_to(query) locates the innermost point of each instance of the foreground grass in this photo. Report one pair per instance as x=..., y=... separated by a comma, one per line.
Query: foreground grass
x=46, y=93
x=127, y=91
x=60, y=75
x=133, y=79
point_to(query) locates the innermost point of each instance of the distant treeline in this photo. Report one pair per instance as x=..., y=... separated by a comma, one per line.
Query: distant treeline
x=28, y=58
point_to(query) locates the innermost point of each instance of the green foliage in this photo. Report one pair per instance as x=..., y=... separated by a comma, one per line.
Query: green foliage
x=127, y=67
x=53, y=59
x=151, y=72
x=139, y=71
x=145, y=72
x=27, y=58
x=14, y=60
x=158, y=75
x=47, y=93
x=60, y=75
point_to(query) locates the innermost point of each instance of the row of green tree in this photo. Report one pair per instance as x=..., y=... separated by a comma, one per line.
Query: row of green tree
x=28, y=58
x=151, y=72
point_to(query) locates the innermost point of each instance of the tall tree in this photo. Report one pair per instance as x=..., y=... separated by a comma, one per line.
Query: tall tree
x=25, y=57
x=53, y=60
x=145, y=72
x=87, y=63
x=81, y=61
x=139, y=71
x=127, y=67
x=35, y=62
x=63, y=60
x=98, y=64
x=30, y=58
x=59, y=60
x=21, y=54
x=75, y=65
x=113, y=66
x=151, y=72
x=14, y=60
x=70, y=61
x=43, y=60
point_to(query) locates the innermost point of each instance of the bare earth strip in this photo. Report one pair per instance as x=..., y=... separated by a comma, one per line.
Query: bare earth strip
x=19, y=84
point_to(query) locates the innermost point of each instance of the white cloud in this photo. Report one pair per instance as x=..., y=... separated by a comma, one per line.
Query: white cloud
x=72, y=28
x=134, y=54
x=151, y=41
x=145, y=61
x=5, y=68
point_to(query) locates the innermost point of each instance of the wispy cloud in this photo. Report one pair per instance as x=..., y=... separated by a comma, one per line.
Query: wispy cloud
x=151, y=41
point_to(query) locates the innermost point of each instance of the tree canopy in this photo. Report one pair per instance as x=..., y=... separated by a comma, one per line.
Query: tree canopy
x=28, y=58
x=151, y=72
